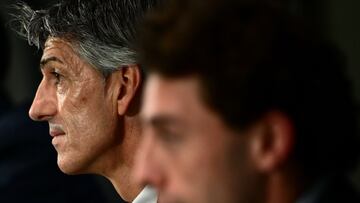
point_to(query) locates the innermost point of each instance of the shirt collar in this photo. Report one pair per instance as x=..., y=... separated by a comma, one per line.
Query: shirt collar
x=147, y=195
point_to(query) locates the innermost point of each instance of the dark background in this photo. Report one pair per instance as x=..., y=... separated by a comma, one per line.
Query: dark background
x=340, y=20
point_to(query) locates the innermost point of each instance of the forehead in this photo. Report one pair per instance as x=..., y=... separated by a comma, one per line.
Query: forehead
x=171, y=96
x=63, y=54
x=58, y=47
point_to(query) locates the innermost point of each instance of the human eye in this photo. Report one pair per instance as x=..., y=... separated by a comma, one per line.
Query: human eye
x=57, y=76
x=169, y=136
x=169, y=132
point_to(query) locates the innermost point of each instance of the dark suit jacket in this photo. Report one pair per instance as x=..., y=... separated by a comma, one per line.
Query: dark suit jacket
x=333, y=189
x=339, y=190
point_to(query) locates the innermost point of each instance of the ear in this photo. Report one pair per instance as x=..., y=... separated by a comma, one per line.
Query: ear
x=272, y=141
x=129, y=78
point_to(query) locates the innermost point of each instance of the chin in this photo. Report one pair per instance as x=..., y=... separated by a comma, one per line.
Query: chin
x=70, y=168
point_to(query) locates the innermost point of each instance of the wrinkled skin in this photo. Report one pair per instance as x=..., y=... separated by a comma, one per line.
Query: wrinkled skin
x=80, y=107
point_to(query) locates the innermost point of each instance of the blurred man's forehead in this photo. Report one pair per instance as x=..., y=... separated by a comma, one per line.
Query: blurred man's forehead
x=168, y=96
x=175, y=102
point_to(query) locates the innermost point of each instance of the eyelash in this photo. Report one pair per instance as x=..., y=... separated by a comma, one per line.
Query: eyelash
x=57, y=76
x=168, y=137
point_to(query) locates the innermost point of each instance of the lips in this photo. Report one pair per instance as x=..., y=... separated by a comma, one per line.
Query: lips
x=56, y=133
x=56, y=130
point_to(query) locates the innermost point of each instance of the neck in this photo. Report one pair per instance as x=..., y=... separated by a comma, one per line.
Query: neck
x=124, y=184
x=285, y=186
x=121, y=168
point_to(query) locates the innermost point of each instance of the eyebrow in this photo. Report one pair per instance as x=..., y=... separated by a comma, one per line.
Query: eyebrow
x=43, y=62
x=163, y=120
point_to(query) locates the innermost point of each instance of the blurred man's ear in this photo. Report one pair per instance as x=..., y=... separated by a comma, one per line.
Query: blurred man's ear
x=272, y=141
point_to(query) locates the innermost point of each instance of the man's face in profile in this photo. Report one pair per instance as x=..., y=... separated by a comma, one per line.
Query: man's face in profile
x=188, y=153
x=76, y=101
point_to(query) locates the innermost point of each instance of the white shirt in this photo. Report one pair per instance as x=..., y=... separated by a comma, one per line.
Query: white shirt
x=147, y=195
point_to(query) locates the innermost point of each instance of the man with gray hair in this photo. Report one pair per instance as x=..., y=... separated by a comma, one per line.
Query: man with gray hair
x=91, y=85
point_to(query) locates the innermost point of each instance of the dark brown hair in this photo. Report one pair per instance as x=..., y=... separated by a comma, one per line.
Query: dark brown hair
x=252, y=58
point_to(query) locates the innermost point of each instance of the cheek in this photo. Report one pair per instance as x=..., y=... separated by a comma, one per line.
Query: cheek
x=203, y=164
x=189, y=182
x=81, y=109
x=189, y=171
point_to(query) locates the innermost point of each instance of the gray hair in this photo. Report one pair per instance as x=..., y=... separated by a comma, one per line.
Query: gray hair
x=101, y=31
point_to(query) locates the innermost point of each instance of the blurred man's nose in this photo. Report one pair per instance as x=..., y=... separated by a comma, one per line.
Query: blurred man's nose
x=44, y=105
x=147, y=170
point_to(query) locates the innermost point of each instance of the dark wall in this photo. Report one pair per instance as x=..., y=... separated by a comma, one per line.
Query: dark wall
x=342, y=20
x=23, y=75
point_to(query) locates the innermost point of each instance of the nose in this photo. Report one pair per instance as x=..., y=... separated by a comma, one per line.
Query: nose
x=147, y=169
x=43, y=107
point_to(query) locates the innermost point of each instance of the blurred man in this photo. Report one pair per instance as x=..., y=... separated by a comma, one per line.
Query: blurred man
x=91, y=85
x=242, y=105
